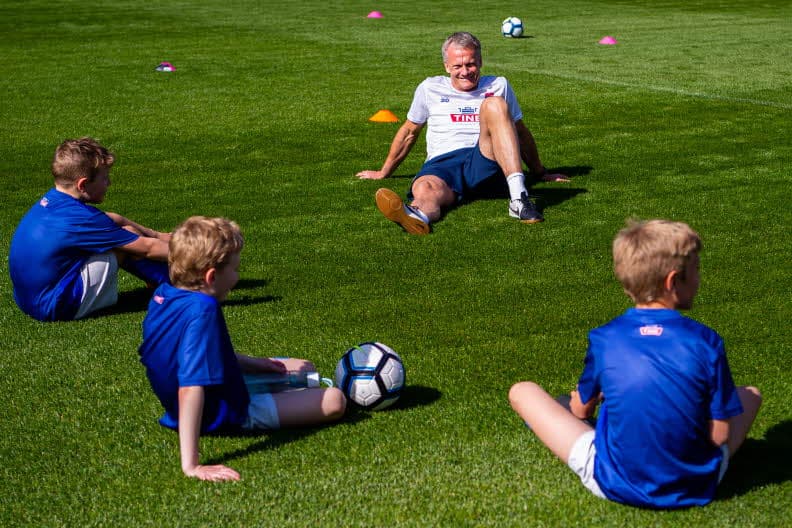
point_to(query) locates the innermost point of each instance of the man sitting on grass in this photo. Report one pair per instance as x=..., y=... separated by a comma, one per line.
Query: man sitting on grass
x=476, y=143
x=671, y=416
x=65, y=254
x=191, y=363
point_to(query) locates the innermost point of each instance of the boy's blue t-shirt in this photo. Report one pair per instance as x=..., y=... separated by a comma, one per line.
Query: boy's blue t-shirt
x=50, y=245
x=664, y=377
x=186, y=343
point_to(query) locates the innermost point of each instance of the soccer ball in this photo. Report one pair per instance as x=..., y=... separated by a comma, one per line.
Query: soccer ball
x=512, y=27
x=371, y=375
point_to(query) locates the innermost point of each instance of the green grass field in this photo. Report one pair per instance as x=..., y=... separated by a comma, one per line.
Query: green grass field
x=265, y=121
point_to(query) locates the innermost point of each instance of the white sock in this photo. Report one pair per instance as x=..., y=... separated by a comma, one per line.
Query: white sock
x=417, y=213
x=516, y=183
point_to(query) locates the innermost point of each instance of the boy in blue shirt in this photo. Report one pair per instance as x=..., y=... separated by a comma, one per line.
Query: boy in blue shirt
x=191, y=363
x=670, y=414
x=65, y=254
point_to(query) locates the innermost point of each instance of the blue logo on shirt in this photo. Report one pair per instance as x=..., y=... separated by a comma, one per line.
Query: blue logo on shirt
x=467, y=110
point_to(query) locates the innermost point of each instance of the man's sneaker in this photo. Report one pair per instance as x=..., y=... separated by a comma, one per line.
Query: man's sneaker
x=525, y=210
x=395, y=210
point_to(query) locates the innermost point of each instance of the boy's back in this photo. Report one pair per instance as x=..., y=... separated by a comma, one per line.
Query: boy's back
x=665, y=376
x=186, y=342
x=670, y=414
x=50, y=245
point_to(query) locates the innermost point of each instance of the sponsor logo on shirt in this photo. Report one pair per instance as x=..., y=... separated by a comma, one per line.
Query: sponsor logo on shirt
x=651, y=330
x=467, y=114
x=159, y=299
x=488, y=94
x=44, y=202
x=444, y=99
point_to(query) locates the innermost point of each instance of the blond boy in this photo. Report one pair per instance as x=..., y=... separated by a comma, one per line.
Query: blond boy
x=191, y=363
x=670, y=413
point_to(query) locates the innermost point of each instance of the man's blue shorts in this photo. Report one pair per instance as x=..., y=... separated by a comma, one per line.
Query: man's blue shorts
x=468, y=172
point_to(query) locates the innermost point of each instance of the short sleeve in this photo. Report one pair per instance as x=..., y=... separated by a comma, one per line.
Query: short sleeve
x=588, y=384
x=511, y=101
x=98, y=233
x=725, y=402
x=200, y=350
x=419, y=110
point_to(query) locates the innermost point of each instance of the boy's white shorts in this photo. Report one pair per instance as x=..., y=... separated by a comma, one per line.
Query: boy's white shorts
x=100, y=283
x=583, y=454
x=262, y=413
x=581, y=461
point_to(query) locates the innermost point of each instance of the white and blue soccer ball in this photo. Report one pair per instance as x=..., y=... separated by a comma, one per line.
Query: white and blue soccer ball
x=371, y=375
x=512, y=27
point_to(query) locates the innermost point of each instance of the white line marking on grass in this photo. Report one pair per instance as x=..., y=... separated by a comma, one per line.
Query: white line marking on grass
x=666, y=89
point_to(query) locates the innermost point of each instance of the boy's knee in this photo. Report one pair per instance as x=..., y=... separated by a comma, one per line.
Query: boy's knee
x=753, y=394
x=334, y=403
x=522, y=390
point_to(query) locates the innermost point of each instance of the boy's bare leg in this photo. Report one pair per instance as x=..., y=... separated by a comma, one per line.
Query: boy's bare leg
x=556, y=427
x=309, y=406
x=751, y=400
x=296, y=364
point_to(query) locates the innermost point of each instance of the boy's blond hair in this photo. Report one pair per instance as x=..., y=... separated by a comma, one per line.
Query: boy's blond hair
x=198, y=244
x=79, y=158
x=644, y=253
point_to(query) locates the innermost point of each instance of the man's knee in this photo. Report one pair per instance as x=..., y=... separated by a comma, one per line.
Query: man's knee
x=494, y=105
x=431, y=186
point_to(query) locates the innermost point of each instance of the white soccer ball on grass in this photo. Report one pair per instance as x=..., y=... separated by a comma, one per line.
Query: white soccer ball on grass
x=371, y=375
x=512, y=27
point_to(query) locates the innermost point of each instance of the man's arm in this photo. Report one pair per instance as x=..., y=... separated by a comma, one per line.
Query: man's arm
x=400, y=147
x=191, y=403
x=530, y=154
x=138, y=229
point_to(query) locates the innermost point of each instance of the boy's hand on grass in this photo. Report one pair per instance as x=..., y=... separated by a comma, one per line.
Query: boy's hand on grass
x=213, y=473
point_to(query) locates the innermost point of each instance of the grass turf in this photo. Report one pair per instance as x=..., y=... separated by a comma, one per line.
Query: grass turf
x=265, y=122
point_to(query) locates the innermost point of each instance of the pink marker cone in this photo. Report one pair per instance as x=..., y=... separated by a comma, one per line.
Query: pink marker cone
x=374, y=14
x=608, y=41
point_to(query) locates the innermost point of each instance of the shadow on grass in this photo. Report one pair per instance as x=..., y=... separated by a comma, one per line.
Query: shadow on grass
x=274, y=439
x=415, y=396
x=137, y=300
x=128, y=302
x=572, y=170
x=241, y=299
x=550, y=197
x=412, y=396
x=759, y=463
x=251, y=284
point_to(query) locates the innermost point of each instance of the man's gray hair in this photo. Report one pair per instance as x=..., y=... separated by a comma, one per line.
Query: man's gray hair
x=462, y=39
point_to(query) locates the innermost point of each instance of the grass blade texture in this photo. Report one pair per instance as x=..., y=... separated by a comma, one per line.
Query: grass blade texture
x=265, y=121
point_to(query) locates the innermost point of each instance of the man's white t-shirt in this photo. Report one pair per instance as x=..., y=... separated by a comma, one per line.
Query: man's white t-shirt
x=453, y=116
